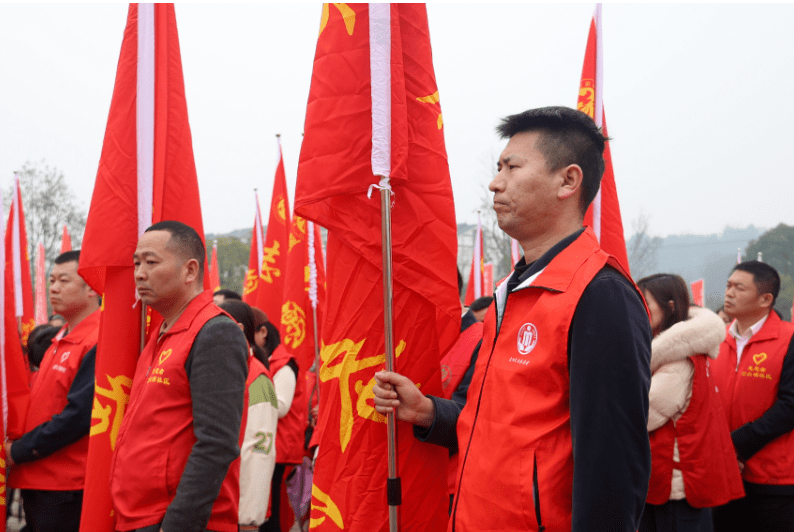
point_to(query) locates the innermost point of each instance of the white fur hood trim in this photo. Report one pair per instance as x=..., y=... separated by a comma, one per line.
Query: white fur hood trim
x=702, y=333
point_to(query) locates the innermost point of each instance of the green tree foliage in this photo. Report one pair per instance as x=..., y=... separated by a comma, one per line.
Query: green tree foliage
x=232, y=261
x=777, y=249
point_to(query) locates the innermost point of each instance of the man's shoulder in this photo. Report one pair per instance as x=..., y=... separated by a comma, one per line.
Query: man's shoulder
x=612, y=293
x=610, y=280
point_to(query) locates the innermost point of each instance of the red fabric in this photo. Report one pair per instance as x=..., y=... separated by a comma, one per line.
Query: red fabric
x=66, y=240
x=706, y=457
x=156, y=436
x=215, y=274
x=111, y=234
x=253, y=283
x=64, y=469
x=476, y=262
x=274, y=262
x=41, y=286
x=611, y=237
x=291, y=428
x=751, y=390
x=334, y=175
x=26, y=320
x=495, y=485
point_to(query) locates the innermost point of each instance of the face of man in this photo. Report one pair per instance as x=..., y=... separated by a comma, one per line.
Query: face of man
x=525, y=191
x=742, y=297
x=161, y=275
x=69, y=294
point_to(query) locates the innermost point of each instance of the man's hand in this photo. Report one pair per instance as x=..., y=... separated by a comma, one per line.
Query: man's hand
x=394, y=391
x=9, y=460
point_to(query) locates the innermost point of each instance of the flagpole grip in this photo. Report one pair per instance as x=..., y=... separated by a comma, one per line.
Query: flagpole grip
x=393, y=488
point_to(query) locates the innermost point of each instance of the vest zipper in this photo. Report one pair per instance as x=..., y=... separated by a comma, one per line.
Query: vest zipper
x=536, y=493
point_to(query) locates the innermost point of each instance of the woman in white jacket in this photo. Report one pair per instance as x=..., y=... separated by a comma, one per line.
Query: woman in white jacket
x=693, y=464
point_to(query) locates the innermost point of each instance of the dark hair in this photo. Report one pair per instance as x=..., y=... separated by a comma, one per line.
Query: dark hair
x=68, y=256
x=260, y=318
x=39, y=341
x=567, y=137
x=185, y=240
x=227, y=294
x=273, y=339
x=460, y=283
x=242, y=314
x=666, y=287
x=481, y=303
x=765, y=277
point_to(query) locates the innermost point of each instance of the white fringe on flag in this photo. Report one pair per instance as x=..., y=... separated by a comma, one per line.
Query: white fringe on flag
x=312, y=266
x=380, y=73
x=16, y=260
x=145, y=116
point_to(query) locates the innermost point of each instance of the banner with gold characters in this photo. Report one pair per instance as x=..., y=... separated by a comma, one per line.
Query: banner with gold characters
x=18, y=262
x=335, y=174
x=603, y=215
x=146, y=174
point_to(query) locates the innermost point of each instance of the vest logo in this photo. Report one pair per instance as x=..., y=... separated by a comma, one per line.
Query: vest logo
x=65, y=356
x=527, y=338
x=164, y=355
x=758, y=358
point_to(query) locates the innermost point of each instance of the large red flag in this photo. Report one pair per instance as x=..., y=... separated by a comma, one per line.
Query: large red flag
x=475, y=288
x=146, y=174
x=373, y=118
x=41, y=286
x=18, y=261
x=253, y=283
x=66, y=240
x=273, y=262
x=603, y=215
x=215, y=274
x=304, y=291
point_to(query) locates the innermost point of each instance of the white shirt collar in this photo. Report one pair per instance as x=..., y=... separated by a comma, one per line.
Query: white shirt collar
x=750, y=332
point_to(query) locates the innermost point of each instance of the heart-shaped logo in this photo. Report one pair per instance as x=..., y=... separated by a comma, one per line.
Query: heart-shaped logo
x=758, y=358
x=167, y=353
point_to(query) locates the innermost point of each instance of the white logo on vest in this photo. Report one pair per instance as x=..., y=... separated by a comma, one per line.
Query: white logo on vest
x=527, y=338
x=65, y=356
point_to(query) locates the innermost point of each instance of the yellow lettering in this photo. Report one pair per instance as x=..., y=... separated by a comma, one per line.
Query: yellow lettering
x=294, y=320
x=268, y=260
x=251, y=281
x=120, y=398
x=327, y=507
x=348, y=16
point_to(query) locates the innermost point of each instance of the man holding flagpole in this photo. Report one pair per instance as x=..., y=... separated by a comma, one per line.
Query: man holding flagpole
x=553, y=435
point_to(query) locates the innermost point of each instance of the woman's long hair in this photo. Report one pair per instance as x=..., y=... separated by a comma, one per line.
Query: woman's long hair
x=666, y=288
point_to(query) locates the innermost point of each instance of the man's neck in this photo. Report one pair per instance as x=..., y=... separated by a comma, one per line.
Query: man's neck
x=535, y=246
x=745, y=322
x=171, y=315
x=75, y=319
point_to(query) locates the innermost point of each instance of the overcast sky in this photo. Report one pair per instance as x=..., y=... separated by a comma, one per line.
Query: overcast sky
x=698, y=98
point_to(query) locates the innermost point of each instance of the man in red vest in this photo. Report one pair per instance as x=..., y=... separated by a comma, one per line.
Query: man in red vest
x=48, y=461
x=553, y=434
x=176, y=463
x=755, y=376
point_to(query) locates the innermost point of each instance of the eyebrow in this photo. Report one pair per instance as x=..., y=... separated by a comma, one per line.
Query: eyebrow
x=143, y=254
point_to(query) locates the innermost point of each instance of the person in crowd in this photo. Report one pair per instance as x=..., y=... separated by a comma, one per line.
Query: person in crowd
x=554, y=433
x=261, y=332
x=39, y=340
x=292, y=418
x=56, y=320
x=48, y=462
x=260, y=418
x=219, y=296
x=480, y=306
x=755, y=376
x=724, y=316
x=175, y=467
x=693, y=464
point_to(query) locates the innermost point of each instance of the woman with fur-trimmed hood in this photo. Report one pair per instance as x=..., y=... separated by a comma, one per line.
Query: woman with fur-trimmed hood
x=694, y=466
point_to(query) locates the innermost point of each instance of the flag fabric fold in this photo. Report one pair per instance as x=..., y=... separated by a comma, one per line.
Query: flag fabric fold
x=603, y=215
x=374, y=120
x=41, y=286
x=146, y=174
x=66, y=240
x=253, y=282
x=18, y=262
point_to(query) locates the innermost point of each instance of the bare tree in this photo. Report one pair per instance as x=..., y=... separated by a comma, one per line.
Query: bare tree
x=643, y=249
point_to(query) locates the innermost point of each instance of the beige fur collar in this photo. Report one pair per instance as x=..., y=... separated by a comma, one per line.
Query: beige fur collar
x=701, y=334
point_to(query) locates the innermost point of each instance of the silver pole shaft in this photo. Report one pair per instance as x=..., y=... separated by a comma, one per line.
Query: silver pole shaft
x=388, y=296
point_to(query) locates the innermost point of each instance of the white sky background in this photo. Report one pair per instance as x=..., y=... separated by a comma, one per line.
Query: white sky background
x=698, y=98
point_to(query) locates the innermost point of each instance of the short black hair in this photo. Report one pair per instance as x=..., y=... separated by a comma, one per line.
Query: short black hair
x=765, y=277
x=227, y=294
x=666, y=287
x=68, y=256
x=39, y=341
x=567, y=137
x=481, y=303
x=186, y=240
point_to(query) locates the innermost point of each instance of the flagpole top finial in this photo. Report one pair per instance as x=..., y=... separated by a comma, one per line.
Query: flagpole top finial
x=278, y=135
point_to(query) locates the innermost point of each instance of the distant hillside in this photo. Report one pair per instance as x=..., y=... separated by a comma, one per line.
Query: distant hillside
x=241, y=234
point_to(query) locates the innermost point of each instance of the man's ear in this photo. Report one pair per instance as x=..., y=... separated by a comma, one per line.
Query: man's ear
x=240, y=325
x=571, y=181
x=766, y=300
x=192, y=267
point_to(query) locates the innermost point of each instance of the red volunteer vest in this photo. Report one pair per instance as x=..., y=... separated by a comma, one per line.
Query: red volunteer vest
x=751, y=390
x=63, y=469
x=707, y=461
x=514, y=433
x=291, y=428
x=156, y=435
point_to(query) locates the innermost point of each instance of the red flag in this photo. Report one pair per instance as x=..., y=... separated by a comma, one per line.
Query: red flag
x=698, y=292
x=274, y=259
x=475, y=286
x=66, y=240
x=18, y=261
x=146, y=174
x=515, y=251
x=215, y=274
x=373, y=119
x=41, y=286
x=253, y=282
x=301, y=279
x=603, y=215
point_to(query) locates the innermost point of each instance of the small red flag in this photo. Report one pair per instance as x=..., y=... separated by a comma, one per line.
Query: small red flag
x=698, y=292
x=475, y=288
x=374, y=119
x=41, y=286
x=603, y=215
x=252, y=283
x=273, y=263
x=146, y=174
x=18, y=262
x=215, y=274
x=66, y=240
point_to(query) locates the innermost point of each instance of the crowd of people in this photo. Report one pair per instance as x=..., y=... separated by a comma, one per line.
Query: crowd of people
x=574, y=399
